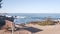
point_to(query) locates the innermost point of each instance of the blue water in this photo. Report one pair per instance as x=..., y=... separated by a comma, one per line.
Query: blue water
x=33, y=16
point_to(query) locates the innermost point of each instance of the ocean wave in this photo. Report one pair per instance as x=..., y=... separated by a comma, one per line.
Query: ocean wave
x=21, y=17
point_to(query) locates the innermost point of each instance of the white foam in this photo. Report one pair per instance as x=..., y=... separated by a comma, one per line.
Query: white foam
x=8, y=16
x=21, y=17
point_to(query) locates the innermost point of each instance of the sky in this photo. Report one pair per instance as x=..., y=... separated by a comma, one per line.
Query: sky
x=30, y=6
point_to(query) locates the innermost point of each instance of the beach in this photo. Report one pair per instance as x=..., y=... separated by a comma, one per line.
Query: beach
x=51, y=29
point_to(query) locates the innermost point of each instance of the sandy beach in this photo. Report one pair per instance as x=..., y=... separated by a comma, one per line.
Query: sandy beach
x=52, y=29
x=36, y=29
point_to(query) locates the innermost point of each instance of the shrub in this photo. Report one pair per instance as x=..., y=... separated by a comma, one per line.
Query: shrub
x=48, y=21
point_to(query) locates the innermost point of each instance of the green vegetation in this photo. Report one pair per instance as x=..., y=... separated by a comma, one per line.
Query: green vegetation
x=48, y=21
x=0, y=3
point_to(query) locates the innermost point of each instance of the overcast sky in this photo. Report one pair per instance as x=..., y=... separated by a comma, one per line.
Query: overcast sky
x=30, y=6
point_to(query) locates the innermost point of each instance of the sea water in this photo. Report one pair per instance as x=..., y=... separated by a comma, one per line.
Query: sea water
x=28, y=17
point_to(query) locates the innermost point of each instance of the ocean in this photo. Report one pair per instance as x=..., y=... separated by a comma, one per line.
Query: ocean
x=28, y=17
